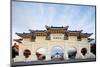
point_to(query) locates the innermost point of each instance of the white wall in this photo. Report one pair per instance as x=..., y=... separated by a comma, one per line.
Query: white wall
x=40, y=42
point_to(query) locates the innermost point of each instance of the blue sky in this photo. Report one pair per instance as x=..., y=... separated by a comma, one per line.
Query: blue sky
x=27, y=15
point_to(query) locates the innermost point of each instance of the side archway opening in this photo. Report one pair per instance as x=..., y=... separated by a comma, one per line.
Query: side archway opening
x=72, y=53
x=41, y=54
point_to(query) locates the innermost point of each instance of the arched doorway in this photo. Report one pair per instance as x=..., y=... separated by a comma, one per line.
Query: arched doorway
x=83, y=51
x=72, y=53
x=27, y=53
x=41, y=54
x=57, y=53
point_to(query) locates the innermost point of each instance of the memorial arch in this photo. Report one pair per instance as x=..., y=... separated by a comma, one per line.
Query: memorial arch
x=54, y=43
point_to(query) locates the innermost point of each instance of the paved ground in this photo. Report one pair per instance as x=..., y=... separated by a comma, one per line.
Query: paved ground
x=51, y=62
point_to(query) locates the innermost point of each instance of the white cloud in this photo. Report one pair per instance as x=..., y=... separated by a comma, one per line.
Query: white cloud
x=37, y=15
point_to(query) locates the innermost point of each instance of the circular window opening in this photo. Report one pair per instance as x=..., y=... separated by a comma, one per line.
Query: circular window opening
x=84, y=51
x=27, y=53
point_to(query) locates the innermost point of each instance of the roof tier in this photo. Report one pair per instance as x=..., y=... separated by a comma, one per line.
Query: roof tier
x=54, y=30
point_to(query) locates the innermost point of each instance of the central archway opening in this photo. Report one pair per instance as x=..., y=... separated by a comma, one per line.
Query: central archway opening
x=72, y=53
x=57, y=53
x=41, y=54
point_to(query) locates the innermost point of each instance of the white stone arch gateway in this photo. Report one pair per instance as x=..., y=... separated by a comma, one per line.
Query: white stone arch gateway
x=41, y=42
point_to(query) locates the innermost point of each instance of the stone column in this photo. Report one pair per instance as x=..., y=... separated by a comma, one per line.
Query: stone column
x=48, y=54
x=79, y=54
x=89, y=50
x=34, y=57
x=48, y=57
x=65, y=54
